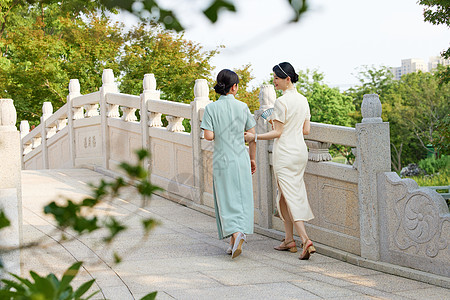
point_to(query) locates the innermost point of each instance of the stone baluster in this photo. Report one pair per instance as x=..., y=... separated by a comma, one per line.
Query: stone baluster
x=47, y=111
x=107, y=111
x=267, y=97
x=37, y=141
x=91, y=110
x=74, y=113
x=10, y=188
x=201, y=93
x=318, y=151
x=74, y=91
x=175, y=124
x=373, y=157
x=61, y=124
x=149, y=93
x=155, y=119
x=109, y=86
x=24, y=128
x=129, y=114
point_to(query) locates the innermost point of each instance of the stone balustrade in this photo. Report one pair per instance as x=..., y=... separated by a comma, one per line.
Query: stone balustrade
x=10, y=188
x=101, y=129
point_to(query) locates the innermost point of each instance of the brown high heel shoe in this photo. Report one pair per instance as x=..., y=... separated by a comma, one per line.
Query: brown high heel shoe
x=308, y=249
x=289, y=246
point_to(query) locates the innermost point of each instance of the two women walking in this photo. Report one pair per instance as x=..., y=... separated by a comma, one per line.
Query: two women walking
x=227, y=122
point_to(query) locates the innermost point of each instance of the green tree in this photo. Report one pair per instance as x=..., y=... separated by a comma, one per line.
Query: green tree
x=247, y=94
x=437, y=12
x=421, y=104
x=42, y=48
x=327, y=105
x=372, y=80
x=413, y=106
x=176, y=62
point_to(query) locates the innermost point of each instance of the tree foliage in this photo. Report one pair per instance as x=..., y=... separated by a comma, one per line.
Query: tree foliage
x=437, y=12
x=327, y=105
x=43, y=47
x=415, y=107
x=176, y=62
x=247, y=94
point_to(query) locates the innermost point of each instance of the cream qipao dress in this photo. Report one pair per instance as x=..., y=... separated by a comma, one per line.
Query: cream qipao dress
x=290, y=154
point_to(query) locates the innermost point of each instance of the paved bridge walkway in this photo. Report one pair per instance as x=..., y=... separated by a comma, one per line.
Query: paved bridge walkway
x=183, y=258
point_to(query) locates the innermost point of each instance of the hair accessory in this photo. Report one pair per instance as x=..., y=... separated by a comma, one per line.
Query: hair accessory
x=282, y=70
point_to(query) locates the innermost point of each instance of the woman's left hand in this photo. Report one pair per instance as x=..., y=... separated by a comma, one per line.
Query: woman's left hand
x=249, y=137
x=253, y=166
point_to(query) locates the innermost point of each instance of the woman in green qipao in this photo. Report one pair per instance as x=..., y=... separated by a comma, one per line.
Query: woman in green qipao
x=225, y=122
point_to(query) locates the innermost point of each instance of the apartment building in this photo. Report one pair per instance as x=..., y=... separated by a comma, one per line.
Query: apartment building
x=417, y=64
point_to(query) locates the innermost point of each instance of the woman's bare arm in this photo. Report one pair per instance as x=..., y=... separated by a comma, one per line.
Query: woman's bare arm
x=306, y=127
x=209, y=135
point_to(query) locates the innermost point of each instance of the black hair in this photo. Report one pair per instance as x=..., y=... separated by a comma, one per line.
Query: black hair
x=285, y=69
x=225, y=80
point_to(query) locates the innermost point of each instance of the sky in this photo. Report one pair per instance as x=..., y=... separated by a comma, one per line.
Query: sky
x=336, y=37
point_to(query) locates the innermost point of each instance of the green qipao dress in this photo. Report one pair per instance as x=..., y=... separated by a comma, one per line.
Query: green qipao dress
x=229, y=118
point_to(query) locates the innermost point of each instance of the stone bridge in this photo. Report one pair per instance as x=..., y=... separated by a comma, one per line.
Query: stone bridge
x=365, y=214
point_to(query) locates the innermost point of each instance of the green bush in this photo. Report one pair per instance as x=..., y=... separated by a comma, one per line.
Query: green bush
x=431, y=165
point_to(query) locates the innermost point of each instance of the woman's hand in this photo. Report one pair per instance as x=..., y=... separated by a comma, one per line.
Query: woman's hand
x=249, y=137
x=253, y=166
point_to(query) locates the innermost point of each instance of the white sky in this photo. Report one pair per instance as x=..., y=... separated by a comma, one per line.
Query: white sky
x=335, y=36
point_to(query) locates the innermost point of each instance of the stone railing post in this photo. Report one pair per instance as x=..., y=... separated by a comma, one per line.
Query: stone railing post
x=24, y=149
x=73, y=113
x=373, y=156
x=109, y=86
x=201, y=93
x=47, y=111
x=149, y=93
x=267, y=97
x=10, y=187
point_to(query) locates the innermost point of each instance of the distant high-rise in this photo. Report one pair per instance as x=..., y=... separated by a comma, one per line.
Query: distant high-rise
x=416, y=64
x=434, y=61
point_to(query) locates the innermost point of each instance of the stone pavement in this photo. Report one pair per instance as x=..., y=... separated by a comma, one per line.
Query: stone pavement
x=183, y=258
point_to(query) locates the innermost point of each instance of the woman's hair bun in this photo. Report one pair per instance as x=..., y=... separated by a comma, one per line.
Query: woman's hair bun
x=294, y=77
x=220, y=88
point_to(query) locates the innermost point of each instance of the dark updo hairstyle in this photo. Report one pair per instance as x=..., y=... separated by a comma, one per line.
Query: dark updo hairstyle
x=225, y=80
x=285, y=69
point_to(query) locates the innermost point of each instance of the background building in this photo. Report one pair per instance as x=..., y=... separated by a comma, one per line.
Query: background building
x=417, y=64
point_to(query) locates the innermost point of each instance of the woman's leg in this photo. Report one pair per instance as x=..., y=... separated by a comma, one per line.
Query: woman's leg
x=288, y=225
x=301, y=230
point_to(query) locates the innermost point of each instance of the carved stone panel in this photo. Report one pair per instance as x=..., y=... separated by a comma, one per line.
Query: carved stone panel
x=415, y=231
x=88, y=142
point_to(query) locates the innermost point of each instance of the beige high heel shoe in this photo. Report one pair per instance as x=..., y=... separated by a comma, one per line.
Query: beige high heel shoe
x=287, y=246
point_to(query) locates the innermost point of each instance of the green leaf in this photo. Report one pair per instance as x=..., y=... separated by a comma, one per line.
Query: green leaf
x=25, y=281
x=142, y=154
x=13, y=284
x=146, y=188
x=114, y=227
x=212, y=12
x=117, y=258
x=149, y=224
x=83, y=288
x=150, y=296
x=69, y=275
x=43, y=285
x=4, y=221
